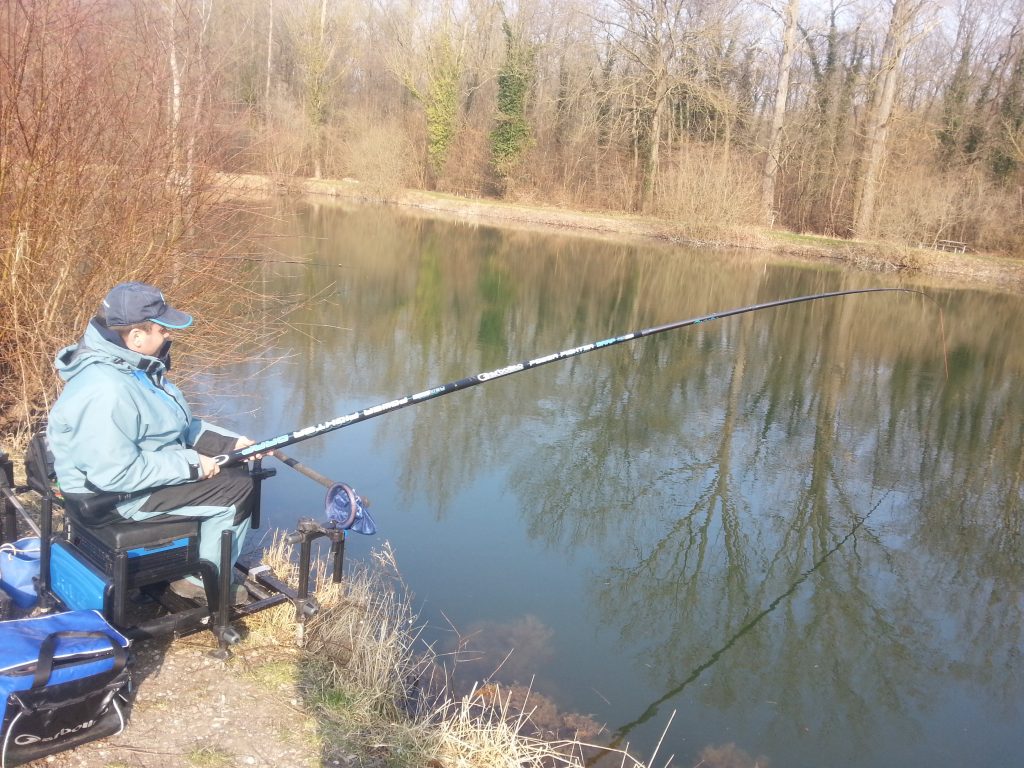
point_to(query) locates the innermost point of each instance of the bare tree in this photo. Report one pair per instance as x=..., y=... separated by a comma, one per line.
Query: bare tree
x=899, y=36
x=187, y=39
x=85, y=159
x=318, y=52
x=651, y=35
x=771, y=163
x=174, y=98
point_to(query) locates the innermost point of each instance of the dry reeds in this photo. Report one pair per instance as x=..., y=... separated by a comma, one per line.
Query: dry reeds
x=365, y=678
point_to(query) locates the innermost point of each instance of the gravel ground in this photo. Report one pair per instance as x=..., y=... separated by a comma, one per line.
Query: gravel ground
x=193, y=710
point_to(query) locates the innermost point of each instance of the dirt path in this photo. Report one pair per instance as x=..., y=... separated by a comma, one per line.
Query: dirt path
x=194, y=711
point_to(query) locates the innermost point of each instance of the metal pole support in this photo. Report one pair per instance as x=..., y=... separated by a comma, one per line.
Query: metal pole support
x=9, y=520
x=222, y=629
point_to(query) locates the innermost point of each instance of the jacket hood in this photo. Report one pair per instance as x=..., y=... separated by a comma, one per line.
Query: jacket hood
x=101, y=346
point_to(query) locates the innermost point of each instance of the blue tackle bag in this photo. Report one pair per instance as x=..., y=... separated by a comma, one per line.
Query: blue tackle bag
x=64, y=680
x=19, y=565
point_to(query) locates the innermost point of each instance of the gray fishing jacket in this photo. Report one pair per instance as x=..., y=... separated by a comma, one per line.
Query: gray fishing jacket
x=119, y=425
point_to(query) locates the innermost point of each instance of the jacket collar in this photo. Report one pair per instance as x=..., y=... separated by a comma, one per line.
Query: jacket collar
x=101, y=339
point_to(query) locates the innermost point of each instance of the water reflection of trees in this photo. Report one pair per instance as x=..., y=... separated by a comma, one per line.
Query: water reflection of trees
x=711, y=469
x=802, y=442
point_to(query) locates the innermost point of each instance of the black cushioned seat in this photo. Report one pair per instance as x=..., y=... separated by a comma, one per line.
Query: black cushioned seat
x=140, y=533
x=113, y=532
x=136, y=553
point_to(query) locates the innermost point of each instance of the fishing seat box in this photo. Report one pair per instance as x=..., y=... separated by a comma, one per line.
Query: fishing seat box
x=114, y=559
x=153, y=550
x=126, y=554
x=65, y=679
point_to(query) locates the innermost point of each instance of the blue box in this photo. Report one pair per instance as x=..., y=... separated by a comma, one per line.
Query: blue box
x=78, y=583
x=156, y=560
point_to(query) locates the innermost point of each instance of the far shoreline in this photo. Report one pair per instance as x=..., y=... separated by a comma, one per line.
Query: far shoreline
x=977, y=270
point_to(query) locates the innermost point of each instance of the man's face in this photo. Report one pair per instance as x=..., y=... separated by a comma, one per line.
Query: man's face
x=148, y=342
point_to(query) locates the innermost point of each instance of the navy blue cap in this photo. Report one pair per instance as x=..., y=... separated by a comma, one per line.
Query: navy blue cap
x=133, y=303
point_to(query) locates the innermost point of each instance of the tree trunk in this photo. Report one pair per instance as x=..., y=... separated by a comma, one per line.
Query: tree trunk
x=320, y=147
x=174, y=103
x=270, y=59
x=772, y=160
x=651, y=159
x=317, y=53
x=896, y=41
x=205, y=14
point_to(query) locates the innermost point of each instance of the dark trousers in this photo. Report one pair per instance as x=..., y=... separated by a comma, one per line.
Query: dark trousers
x=224, y=502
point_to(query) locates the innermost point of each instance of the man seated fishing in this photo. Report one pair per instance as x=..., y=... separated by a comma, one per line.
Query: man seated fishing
x=121, y=426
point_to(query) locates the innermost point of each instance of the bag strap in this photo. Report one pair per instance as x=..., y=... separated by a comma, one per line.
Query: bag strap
x=49, y=646
x=11, y=549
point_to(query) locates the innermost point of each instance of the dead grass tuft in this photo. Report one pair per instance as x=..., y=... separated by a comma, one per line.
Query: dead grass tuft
x=370, y=684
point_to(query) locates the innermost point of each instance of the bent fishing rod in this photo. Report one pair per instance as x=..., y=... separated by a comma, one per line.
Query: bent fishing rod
x=107, y=499
x=338, y=422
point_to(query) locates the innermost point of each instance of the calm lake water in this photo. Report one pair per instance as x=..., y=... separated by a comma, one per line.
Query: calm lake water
x=798, y=530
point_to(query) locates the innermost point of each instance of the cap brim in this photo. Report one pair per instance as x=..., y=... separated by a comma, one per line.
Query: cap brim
x=172, y=318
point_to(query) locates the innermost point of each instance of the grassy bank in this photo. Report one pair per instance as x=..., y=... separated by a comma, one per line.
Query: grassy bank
x=923, y=264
